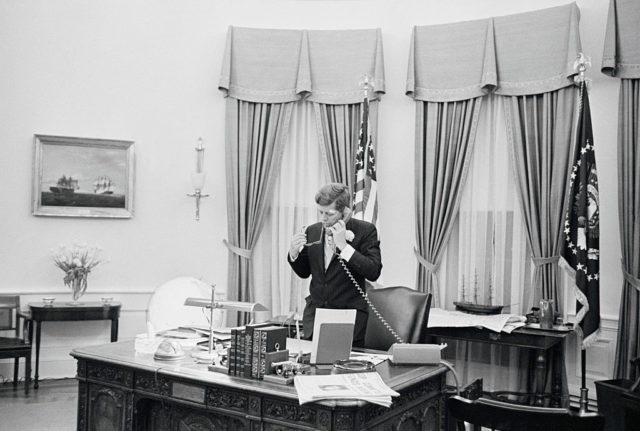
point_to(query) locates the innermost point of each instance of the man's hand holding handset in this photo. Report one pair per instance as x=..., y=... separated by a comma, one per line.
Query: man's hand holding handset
x=339, y=234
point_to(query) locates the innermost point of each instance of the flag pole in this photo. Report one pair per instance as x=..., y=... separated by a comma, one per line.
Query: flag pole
x=581, y=66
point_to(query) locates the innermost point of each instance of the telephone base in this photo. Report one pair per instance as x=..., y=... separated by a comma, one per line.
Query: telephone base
x=416, y=354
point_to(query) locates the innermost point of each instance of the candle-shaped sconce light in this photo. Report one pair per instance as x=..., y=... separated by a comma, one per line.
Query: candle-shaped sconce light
x=198, y=177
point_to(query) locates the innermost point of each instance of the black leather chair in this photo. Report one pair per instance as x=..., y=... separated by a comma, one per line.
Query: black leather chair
x=406, y=310
x=499, y=415
x=19, y=345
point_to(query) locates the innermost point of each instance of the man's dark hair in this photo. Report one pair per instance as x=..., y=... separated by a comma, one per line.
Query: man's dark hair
x=334, y=192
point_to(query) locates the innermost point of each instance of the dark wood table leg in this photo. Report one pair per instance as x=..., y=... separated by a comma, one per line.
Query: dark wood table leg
x=38, y=329
x=556, y=375
x=28, y=370
x=27, y=374
x=114, y=330
x=540, y=371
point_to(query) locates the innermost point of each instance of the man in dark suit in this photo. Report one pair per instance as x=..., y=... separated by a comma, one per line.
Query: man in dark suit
x=322, y=250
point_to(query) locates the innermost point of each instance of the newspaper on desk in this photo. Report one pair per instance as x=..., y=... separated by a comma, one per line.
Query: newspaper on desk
x=357, y=386
x=457, y=319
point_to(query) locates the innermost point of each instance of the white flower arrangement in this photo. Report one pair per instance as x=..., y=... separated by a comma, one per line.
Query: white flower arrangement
x=76, y=261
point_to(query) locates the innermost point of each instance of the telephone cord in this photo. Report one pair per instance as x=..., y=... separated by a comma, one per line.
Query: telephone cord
x=366, y=298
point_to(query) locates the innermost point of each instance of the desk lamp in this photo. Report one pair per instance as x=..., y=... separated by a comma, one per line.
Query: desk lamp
x=212, y=304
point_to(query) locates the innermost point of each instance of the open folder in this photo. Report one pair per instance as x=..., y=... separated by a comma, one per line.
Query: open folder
x=332, y=335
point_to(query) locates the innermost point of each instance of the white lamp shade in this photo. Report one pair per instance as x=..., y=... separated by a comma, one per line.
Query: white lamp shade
x=197, y=180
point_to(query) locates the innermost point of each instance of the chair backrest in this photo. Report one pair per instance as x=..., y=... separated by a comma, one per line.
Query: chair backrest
x=9, y=305
x=498, y=415
x=406, y=310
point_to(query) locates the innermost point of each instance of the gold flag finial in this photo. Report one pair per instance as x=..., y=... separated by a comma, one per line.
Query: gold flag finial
x=580, y=65
x=366, y=83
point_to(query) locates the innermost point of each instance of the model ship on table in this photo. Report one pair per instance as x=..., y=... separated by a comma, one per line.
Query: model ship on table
x=472, y=306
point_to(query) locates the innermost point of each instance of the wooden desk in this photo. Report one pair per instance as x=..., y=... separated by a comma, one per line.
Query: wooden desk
x=540, y=341
x=121, y=390
x=64, y=312
x=631, y=404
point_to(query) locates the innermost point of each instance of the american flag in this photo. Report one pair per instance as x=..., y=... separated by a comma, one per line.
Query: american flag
x=365, y=202
x=582, y=228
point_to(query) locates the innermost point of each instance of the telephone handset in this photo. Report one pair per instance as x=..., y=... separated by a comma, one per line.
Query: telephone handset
x=365, y=296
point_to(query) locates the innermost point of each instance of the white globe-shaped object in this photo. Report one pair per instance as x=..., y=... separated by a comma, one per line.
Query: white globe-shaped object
x=166, y=309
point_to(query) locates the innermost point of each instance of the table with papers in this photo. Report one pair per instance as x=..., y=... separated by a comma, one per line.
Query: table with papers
x=491, y=329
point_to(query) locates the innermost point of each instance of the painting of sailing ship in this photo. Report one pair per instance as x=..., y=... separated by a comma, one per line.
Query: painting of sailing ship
x=83, y=177
x=103, y=185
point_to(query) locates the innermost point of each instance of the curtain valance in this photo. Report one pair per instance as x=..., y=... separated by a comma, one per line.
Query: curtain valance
x=325, y=66
x=527, y=53
x=621, y=56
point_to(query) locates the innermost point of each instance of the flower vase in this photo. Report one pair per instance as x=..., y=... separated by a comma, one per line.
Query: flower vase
x=78, y=286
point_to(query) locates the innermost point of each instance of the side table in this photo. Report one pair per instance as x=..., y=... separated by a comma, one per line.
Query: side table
x=65, y=312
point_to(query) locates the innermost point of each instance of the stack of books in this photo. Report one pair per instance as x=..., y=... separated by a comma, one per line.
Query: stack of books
x=249, y=346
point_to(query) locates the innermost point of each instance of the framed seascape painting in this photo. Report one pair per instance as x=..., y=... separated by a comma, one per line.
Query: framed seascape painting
x=82, y=177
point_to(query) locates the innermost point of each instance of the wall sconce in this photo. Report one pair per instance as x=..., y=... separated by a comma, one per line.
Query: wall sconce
x=198, y=177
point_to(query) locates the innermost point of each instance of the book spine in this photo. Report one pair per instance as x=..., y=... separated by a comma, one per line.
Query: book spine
x=248, y=346
x=241, y=353
x=262, y=353
x=232, y=352
x=255, y=358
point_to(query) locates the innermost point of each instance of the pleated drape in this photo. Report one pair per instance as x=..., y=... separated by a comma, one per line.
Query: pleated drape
x=541, y=131
x=621, y=59
x=254, y=145
x=445, y=134
x=263, y=72
x=628, y=346
x=338, y=131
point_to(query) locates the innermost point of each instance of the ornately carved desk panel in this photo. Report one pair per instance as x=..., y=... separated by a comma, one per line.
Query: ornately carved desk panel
x=121, y=391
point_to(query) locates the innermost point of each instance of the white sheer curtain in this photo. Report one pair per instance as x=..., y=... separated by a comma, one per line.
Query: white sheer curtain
x=487, y=260
x=302, y=173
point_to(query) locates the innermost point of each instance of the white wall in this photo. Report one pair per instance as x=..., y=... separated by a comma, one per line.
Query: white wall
x=147, y=71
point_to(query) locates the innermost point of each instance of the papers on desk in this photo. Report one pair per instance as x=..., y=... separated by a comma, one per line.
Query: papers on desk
x=357, y=386
x=220, y=334
x=374, y=358
x=457, y=319
x=296, y=346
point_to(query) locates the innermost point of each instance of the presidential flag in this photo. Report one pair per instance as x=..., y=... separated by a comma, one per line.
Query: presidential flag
x=365, y=201
x=582, y=228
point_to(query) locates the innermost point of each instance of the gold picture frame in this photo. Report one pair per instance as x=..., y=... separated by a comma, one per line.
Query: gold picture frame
x=82, y=177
